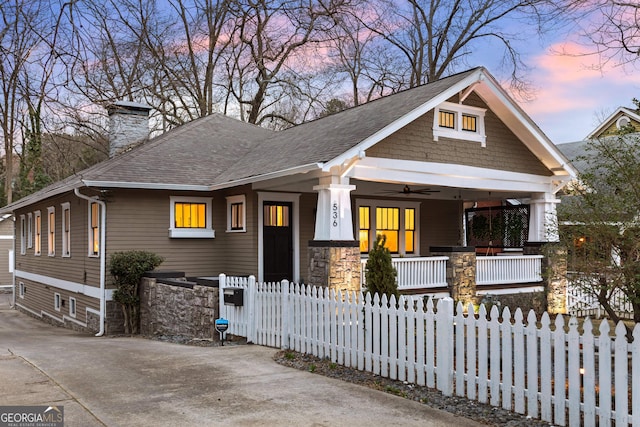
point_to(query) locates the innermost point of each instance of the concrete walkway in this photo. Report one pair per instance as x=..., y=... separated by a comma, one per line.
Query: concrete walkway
x=138, y=382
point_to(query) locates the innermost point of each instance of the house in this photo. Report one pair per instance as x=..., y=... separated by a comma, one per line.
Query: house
x=6, y=250
x=621, y=118
x=219, y=195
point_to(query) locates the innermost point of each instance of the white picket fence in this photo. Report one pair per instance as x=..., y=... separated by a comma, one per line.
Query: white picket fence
x=566, y=378
x=582, y=301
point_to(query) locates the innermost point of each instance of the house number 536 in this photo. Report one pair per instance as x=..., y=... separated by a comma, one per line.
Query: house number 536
x=334, y=214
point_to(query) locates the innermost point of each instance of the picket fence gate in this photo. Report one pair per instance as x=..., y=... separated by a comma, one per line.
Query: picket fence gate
x=547, y=371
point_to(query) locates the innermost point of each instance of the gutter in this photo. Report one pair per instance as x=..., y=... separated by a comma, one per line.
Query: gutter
x=103, y=259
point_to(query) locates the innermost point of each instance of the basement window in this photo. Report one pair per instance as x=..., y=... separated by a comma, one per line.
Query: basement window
x=459, y=121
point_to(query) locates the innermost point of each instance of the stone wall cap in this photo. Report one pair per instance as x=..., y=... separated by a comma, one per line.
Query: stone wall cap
x=164, y=274
x=334, y=243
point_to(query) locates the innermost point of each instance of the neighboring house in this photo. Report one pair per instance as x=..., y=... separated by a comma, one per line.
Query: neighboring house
x=618, y=120
x=6, y=250
x=218, y=195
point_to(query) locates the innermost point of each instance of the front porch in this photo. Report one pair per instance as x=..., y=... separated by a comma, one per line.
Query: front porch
x=493, y=274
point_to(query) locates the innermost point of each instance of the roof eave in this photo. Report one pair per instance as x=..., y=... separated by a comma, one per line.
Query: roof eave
x=267, y=176
x=145, y=185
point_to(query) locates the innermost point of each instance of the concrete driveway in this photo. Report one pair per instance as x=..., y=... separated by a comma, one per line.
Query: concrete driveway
x=138, y=382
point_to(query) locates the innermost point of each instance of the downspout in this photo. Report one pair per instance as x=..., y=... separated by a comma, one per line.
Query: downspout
x=103, y=262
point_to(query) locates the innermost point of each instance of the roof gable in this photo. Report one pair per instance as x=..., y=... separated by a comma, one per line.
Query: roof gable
x=619, y=118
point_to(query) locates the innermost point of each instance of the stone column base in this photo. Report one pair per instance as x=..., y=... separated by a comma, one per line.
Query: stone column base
x=335, y=264
x=461, y=272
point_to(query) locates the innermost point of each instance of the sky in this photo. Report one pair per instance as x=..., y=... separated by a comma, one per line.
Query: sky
x=572, y=99
x=572, y=96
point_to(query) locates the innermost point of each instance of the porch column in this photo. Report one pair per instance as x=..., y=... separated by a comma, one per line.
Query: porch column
x=334, y=254
x=333, y=217
x=543, y=221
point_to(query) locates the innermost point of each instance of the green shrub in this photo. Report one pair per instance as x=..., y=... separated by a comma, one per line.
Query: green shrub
x=380, y=273
x=127, y=269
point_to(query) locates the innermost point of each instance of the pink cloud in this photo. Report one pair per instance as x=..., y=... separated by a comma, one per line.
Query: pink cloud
x=567, y=78
x=574, y=90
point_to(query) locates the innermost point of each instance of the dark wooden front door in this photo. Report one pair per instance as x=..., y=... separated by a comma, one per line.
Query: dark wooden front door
x=277, y=235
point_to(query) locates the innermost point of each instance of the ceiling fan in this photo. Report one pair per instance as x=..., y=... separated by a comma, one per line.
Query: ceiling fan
x=408, y=190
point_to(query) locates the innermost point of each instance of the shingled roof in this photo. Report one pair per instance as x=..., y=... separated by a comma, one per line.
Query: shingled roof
x=218, y=151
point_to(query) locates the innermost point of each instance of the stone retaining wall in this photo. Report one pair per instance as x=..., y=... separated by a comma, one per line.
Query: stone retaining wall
x=187, y=311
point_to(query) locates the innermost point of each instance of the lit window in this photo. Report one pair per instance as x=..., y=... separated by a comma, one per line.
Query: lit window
x=37, y=245
x=236, y=213
x=57, y=301
x=94, y=229
x=409, y=230
x=51, y=226
x=276, y=215
x=66, y=230
x=23, y=235
x=191, y=217
x=447, y=119
x=396, y=220
x=29, y=230
x=469, y=123
x=459, y=121
x=388, y=224
x=364, y=228
x=72, y=307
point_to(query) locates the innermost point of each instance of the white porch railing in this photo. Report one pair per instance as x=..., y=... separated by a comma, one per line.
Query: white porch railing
x=418, y=272
x=502, y=270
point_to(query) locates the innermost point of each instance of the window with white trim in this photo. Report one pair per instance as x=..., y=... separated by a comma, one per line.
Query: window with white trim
x=190, y=217
x=23, y=235
x=57, y=301
x=29, y=230
x=72, y=307
x=94, y=229
x=51, y=228
x=21, y=290
x=397, y=220
x=459, y=121
x=236, y=213
x=37, y=225
x=66, y=229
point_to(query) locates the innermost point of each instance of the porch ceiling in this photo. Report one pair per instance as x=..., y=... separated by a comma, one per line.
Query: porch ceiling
x=396, y=190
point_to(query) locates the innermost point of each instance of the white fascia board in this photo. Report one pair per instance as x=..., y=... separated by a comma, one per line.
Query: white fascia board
x=267, y=176
x=393, y=127
x=563, y=166
x=31, y=200
x=449, y=175
x=145, y=185
x=90, y=291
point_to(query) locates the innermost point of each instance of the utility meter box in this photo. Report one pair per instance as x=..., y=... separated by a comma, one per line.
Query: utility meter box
x=233, y=296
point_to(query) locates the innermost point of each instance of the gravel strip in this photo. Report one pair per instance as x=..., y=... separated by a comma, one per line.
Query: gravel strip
x=482, y=413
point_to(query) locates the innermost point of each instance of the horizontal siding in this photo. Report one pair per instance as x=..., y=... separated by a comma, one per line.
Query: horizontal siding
x=308, y=204
x=6, y=246
x=39, y=298
x=236, y=252
x=78, y=268
x=504, y=151
x=139, y=220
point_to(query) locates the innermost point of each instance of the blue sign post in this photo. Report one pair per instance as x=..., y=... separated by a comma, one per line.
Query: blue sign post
x=221, y=326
